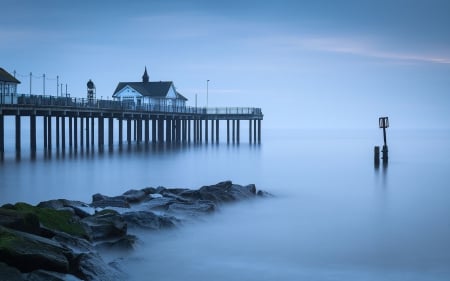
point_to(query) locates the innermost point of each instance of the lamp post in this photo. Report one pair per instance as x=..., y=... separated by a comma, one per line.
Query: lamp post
x=207, y=90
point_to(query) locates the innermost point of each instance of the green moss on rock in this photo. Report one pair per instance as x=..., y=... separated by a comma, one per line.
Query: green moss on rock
x=59, y=220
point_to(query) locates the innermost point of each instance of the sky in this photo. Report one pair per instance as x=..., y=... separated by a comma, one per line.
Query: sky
x=320, y=64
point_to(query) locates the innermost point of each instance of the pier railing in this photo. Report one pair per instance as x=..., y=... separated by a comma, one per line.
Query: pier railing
x=42, y=101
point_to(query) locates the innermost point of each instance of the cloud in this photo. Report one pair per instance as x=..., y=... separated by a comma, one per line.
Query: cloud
x=364, y=48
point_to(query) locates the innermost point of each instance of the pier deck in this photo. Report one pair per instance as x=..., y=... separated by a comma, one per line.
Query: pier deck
x=156, y=124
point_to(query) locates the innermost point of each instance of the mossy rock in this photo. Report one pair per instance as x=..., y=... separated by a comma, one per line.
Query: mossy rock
x=60, y=220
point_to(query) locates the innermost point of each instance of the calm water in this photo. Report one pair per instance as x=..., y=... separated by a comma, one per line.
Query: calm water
x=335, y=217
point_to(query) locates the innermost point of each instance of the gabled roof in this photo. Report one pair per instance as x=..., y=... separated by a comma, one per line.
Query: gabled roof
x=149, y=89
x=6, y=77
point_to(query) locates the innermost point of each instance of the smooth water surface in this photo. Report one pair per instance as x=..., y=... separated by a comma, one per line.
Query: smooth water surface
x=335, y=216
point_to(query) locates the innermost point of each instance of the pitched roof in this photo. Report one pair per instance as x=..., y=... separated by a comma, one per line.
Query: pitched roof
x=149, y=89
x=6, y=77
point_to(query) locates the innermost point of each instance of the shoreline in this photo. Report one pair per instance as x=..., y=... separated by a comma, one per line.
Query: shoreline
x=63, y=239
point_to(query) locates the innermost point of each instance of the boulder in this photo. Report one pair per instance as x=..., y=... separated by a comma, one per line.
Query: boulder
x=28, y=252
x=262, y=193
x=123, y=243
x=105, y=225
x=45, y=275
x=149, y=190
x=90, y=267
x=148, y=220
x=195, y=208
x=77, y=207
x=23, y=221
x=134, y=196
x=103, y=201
x=240, y=192
x=75, y=244
x=159, y=203
x=10, y=273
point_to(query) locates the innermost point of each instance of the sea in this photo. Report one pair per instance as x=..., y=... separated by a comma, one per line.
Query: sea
x=334, y=215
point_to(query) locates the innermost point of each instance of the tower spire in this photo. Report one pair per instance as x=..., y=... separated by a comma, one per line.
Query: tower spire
x=145, y=77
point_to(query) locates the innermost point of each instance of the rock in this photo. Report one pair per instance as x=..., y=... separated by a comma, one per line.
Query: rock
x=28, y=252
x=77, y=245
x=105, y=225
x=243, y=192
x=148, y=220
x=161, y=203
x=216, y=193
x=90, y=267
x=103, y=201
x=124, y=243
x=134, y=196
x=149, y=190
x=23, y=221
x=263, y=193
x=77, y=207
x=10, y=273
x=193, y=209
x=44, y=275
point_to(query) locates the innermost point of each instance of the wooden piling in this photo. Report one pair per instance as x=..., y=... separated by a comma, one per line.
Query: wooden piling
x=57, y=132
x=70, y=131
x=87, y=133
x=33, y=133
x=2, y=136
x=154, y=130
x=49, y=132
x=129, y=131
x=110, y=132
x=63, y=133
x=92, y=131
x=147, y=129
x=217, y=131
x=18, y=129
x=376, y=155
x=75, y=132
x=120, y=131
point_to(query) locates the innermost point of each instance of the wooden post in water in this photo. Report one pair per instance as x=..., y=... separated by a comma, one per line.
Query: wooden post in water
x=63, y=133
x=384, y=123
x=154, y=130
x=2, y=136
x=70, y=131
x=110, y=132
x=129, y=131
x=217, y=131
x=120, y=131
x=147, y=129
x=33, y=134
x=92, y=132
x=250, y=131
x=376, y=157
x=87, y=133
x=18, y=134
x=259, y=131
x=75, y=132
x=49, y=132
x=238, y=133
x=57, y=132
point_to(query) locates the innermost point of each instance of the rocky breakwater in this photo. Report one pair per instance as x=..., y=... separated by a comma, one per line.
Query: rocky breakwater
x=62, y=239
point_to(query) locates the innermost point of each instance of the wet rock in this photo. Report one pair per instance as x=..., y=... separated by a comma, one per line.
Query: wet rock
x=77, y=207
x=105, y=225
x=10, y=273
x=196, y=208
x=149, y=190
x=22, y=221
x=160, y=203
x=124, y=243
x=243, y=192
x=134, y=196
x=148, y=220
x=92, y=267
x=75, y=244
x=44, y=275
x=262, y=193
x=28, y=252
x=103, y=201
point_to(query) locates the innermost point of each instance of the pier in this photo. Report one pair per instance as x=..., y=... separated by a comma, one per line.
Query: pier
x=80, y=123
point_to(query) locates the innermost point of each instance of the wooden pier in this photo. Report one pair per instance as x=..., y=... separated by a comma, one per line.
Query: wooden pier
x=74, y=118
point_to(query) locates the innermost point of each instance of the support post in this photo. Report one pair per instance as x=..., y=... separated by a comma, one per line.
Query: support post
x=254, y=130
x=75, y=132
x=120, y=131
x=259, y=131
x=212, y=131
x=70, y=131
x=2, y=136
x=92, y=131
x=81, y=132
x=129, y=131
x=49, y=131
x=153, y=130
x=160, y=129
x=138, y=126
x=206, y=131
x=57, y=132
x=87, y=133
x=228, y=131
x=250, y=131
x=147, y=129
x=238, y=133
x=63, y=133
x=168, y=130
x=18, y=134
x=33, y=134
x=233, y=129
x=217, y=131
x=101, y=132
x=188, y=130
x=200, y=131
x=110, y=131
x=45, y=132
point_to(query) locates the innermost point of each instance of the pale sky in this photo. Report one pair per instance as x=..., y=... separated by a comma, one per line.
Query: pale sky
x=307, y=64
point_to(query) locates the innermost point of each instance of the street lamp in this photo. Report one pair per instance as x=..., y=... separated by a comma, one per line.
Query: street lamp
x=207, y=90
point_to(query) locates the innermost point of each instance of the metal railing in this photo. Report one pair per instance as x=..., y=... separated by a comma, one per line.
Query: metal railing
x=82, y=103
